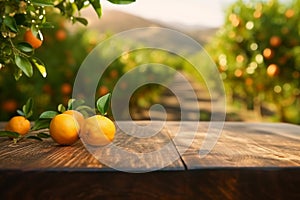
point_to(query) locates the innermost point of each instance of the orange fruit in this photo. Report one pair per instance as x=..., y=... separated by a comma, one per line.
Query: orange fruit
x=77, y=115
x=64, y=129
x=289, y=13
x=268, y=53
x=272, y=70
x=103, y=90
x=98, y=130
x=248, y=81
x=18, y=124
x=32, y=39
x=275, y=41
x=66, y=88
x=9, y=105
x=114, y=74
x=61, y=35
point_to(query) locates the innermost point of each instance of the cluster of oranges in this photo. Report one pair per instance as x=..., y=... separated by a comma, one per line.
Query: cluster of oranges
x=66, y=128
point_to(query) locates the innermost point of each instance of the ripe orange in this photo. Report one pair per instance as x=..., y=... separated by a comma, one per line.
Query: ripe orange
x=32, y=39
x=248, y=81
x=18, y=124
x=77, y=115
x=10, y=105
x=268, y=53
x=275, y=41
x=103, y=90
x=272, y=70
x=289, y=13
x=114, y=74
x=66, y=88
x=61, y=35
x=98, y=131
x=64, y=129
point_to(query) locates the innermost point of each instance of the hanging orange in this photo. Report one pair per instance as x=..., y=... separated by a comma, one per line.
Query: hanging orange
x=32, y=39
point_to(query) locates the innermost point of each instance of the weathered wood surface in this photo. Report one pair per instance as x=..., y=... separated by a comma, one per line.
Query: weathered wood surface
x=249, y=161
x=31, y=154
x=244, y=145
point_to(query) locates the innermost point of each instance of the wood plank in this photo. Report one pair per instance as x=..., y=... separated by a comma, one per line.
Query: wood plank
x=140, y=152
x=31, y=154
x=249, y=161
x=245, y=145
x=223, y=184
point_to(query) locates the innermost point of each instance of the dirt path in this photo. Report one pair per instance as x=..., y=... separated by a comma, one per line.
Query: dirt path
x=188, y=106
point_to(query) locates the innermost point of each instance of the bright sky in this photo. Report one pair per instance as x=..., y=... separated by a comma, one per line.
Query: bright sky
x=188, y=12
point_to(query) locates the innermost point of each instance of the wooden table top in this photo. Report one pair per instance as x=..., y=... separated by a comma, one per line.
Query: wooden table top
x=245, y=153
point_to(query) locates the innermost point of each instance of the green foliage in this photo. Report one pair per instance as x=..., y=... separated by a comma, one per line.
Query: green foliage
x=63, y=52
x=103, y=104
x=27, y=109
x=17, y=16
x=257, y=52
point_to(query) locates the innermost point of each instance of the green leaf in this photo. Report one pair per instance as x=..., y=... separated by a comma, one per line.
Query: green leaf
x=121, y=1
x=17, y=74
x=97, y=7
x=41, y=124
x=74, y=103
x=47, y=25
x=20, y=112
x=81, y=20
x=9, y=134
x=103, y=104
x=48, y=114
x=40, y=66
x=34, y=137
x=61, y=108
x=24, y=64
x=25, y=47
x=43, y=135
x=10, y=22
x=85, y=107
x=43, y=2
x=70, y=103
x=28, y=107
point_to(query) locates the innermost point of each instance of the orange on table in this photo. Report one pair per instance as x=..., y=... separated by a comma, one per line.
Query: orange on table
x=32, y=39
x=98, y=130
x=64, y=129
x=77, y=115
x=18, y=124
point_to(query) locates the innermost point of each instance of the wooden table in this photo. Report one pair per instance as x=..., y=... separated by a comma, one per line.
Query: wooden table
x=249, y=161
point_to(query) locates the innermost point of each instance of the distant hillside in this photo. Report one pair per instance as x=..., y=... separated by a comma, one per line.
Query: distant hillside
x=116, y=21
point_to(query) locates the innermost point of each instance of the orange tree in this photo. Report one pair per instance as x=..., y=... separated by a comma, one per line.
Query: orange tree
x=62, y=52
x=21, y=25
x=257, y=51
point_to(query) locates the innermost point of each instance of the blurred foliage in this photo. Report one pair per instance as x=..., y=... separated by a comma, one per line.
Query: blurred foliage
x=63, y=52
x=257, y=51
x=17, y=50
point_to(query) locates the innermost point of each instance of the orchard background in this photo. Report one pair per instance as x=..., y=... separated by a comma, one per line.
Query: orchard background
x=257, y=51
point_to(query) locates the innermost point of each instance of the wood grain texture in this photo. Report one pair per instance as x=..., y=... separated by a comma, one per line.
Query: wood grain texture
x=245, y=145
x=223, y=184
x=32, y=154
x=249, y=161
